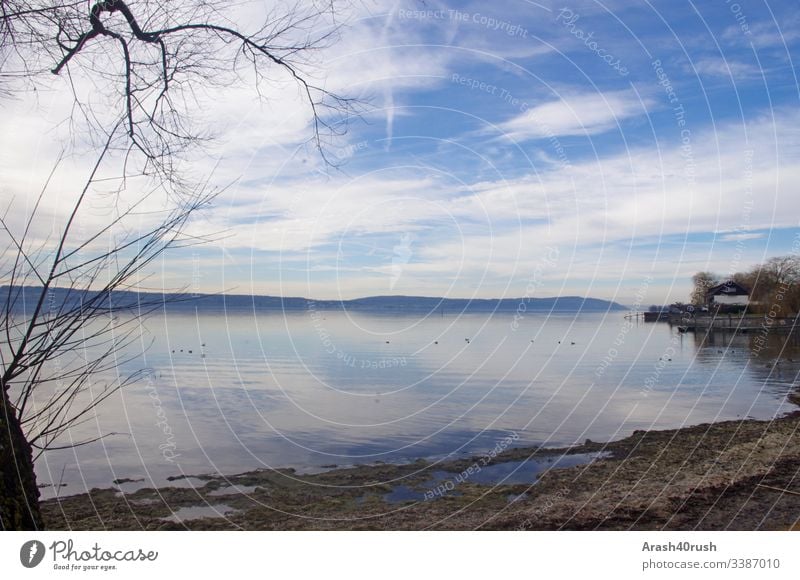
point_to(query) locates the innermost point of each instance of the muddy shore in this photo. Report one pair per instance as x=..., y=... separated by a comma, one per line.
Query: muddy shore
x=734, y=475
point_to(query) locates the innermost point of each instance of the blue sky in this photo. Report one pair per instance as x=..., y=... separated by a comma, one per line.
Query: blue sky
x=636, y=142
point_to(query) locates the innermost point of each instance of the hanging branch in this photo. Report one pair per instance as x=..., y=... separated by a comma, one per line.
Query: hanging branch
x=273, y=44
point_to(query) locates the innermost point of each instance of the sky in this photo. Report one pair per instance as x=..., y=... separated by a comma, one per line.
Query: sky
x=504, y=149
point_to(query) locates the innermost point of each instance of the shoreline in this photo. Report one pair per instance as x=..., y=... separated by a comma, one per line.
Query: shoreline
x=742, y=475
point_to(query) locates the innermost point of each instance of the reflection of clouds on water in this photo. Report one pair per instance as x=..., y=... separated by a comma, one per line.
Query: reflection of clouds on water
x=267, y=392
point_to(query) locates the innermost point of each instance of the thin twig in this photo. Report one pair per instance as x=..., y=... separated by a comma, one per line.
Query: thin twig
x=777, y=489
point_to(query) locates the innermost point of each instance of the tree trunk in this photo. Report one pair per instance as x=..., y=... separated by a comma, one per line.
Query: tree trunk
x=19, y=496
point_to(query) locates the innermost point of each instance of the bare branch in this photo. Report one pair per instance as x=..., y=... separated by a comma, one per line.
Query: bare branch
x=134, y=72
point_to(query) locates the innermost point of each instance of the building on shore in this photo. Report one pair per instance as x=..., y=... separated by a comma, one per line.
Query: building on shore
x=727, y=296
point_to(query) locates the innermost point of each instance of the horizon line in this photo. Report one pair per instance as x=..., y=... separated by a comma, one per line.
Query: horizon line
x=194, y=294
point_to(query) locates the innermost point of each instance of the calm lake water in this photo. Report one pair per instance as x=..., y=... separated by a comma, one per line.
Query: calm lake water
x=237, y=392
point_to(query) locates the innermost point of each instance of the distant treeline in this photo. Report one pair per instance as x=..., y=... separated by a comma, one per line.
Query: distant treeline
x=776, y=282
x=58, y=298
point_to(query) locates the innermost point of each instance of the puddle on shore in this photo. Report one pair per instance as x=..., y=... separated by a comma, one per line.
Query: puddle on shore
x=526, y=471
x=403, y=493
x=197, y=512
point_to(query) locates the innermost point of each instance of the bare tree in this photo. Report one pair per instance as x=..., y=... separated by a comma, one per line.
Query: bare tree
x=782, y=271
x=70, y=306
x=150, y=58
x=775, y=281
x=76, y=292
x=702, y=281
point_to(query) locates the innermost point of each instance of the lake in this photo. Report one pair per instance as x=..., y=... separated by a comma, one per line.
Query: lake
x=235, y=392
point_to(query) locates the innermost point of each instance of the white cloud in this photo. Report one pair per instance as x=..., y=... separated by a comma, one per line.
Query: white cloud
x=743, y=237
x=575, y=114
x=722, y=67
x=765, y=34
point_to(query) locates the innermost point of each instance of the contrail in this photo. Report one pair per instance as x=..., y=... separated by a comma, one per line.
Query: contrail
x=388, y=92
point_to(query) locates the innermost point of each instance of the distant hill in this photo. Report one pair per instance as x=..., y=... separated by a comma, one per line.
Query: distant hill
x=241, y=302
x=425, y=303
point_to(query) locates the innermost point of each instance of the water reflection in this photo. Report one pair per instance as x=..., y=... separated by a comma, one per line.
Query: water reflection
x=771, y=361
x=527, y=471
x=233, y=393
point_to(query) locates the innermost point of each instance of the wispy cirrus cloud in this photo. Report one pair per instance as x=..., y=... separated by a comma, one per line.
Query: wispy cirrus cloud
x=740, y=237
x=575, y=114
x=724, y=67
